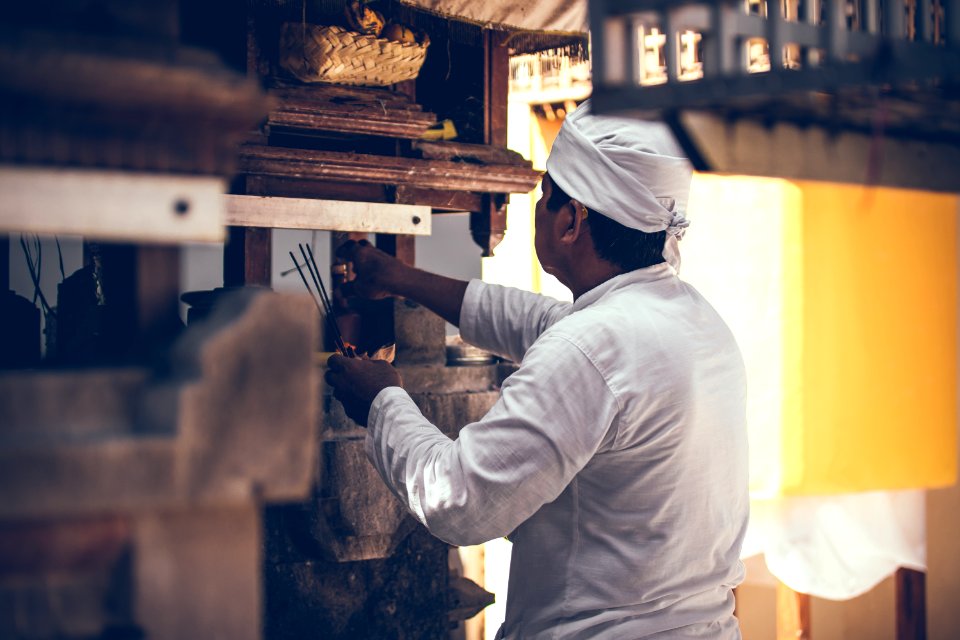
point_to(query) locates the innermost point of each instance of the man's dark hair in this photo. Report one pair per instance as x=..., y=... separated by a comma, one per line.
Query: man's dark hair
x=627, y=248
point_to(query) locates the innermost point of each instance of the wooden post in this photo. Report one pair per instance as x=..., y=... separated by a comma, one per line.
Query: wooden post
x=911, y=604
x=247, y=257
x=496, y=71
x=4, y=262
x=141, y=285
x=157, y=290
x=489, y=225
x=402, y=247
x=793, y=614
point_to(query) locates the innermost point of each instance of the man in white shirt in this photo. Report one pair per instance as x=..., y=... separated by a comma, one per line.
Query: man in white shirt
x=616, y=457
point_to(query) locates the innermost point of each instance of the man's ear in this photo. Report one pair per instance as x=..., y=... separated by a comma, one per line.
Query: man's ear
x=575, y=216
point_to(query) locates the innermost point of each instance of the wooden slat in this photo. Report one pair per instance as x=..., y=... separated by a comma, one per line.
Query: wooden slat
x=308, y=117
x=307, y=164
x=111, y=205
x=911, y=604
x=286, y=187
x=349, y=111
x=793, y=614
x=332, y=215
x=4, y=262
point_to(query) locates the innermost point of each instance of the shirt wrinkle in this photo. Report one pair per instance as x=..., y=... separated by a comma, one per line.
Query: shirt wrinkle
x=606, y=380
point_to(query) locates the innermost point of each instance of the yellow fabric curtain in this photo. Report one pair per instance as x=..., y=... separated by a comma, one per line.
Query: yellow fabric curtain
x=844, y=301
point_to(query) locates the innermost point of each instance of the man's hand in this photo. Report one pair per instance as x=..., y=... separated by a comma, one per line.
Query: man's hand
x=377, y=273
x=356, y=382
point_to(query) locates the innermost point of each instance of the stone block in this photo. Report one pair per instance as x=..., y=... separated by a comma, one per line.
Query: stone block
x=357, y=517
x=230, y=419
x=130, y=498
x=420, y=334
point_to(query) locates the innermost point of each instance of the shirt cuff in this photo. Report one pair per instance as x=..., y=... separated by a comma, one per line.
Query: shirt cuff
x=378, y=407
x=469, y=310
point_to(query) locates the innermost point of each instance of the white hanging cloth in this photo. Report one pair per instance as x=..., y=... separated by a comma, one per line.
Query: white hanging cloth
x=839, y=547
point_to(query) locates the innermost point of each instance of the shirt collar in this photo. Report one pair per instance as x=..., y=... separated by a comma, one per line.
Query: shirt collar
x=657, y=272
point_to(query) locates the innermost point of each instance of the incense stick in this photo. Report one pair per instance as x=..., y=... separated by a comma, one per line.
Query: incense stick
x=318, y=283
x=323, y=290
x=323, y=311
x=305, y=284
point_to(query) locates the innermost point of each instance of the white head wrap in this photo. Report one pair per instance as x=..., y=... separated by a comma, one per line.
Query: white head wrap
x=632, y=171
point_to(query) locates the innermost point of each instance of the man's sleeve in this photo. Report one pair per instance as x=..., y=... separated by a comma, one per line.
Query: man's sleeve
x=504, y=320
x=553, y=415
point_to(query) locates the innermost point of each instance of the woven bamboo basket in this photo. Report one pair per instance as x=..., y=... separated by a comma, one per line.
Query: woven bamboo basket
x=317, y=53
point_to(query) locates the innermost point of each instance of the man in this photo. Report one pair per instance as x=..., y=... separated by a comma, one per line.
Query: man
x=616, y=456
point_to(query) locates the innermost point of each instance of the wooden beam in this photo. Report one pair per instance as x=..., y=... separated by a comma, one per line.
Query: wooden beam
x=306, y=164
x=911, y=604
x=793, y=614
x=286, y=187
x=332, y=215
x=439, y=199
x=477, y=153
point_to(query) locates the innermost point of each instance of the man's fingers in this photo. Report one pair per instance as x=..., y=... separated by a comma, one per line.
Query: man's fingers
x=345, y=251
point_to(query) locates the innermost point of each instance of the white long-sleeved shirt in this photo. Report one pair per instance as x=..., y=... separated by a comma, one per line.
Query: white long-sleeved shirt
x=616, y=457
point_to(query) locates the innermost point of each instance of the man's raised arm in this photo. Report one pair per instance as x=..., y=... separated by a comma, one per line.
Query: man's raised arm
x=379, y=275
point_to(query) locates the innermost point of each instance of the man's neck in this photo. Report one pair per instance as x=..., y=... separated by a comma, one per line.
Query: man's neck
x=591, y=274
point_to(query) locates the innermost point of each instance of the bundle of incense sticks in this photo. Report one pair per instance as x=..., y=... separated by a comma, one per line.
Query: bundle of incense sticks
x=321, y=299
